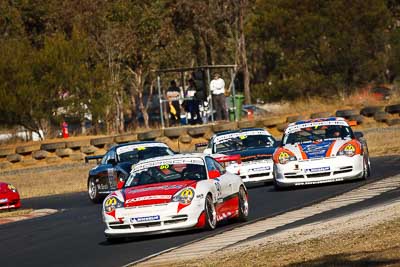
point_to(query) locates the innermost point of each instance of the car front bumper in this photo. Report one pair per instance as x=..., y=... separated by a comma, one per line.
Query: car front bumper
x=253, y=171
x=317, y=171
x=153, y=219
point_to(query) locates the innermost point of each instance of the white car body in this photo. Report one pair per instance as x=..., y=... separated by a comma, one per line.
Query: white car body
x=153, y=208
x=255, y=164
x=322, y=161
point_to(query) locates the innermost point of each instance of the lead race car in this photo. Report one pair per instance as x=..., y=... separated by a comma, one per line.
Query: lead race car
x=246, y=152
x=9, y=197
x=320, y=151
x=116, y=165
x=174, y=193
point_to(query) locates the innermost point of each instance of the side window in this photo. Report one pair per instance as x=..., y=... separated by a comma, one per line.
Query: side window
x=110, y=155
x=219, y=167
x=210, y=164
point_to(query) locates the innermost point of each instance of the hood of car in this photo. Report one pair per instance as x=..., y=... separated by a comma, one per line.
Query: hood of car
x=154, y=194
x=312, y=150
x=254, y=153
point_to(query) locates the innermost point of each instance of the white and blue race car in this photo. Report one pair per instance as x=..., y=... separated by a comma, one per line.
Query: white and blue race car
x=320, y=151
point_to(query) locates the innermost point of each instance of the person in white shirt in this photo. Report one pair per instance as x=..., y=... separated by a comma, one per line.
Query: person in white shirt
x=217, y=87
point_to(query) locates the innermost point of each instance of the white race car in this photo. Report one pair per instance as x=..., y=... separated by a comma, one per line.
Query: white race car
x=174, y=193
x=247, y=152
x=320, y=151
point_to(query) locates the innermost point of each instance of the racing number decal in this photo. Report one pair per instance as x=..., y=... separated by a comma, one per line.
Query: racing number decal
x=111, y=201
x=349, y=147
x=242, y=137
x=141, y=148
x=164, y=167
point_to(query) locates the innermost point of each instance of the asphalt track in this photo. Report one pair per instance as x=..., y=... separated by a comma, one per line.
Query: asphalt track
x=74, y=236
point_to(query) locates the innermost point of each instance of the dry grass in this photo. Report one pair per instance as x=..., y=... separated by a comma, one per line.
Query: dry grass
x=44, y=183
x=12, y=213
x=383, y=142
x=377, y=246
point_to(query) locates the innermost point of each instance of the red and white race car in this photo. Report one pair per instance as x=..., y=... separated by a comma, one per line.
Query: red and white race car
x=9, y=197
x=174, y=193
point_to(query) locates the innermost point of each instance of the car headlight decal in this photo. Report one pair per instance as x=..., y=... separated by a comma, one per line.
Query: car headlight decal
x=184, y=196
x=12, y=188
x=283, y=156
x=349, y=149
x=112, y=203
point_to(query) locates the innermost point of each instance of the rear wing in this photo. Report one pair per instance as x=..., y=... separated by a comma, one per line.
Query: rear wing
x=198, y=146
x=97, y=158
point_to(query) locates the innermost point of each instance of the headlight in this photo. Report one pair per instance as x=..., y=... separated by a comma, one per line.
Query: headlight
x=112, y=203
x=284, y=157
x=184, y=196
x=12, y=188
x=347, y=150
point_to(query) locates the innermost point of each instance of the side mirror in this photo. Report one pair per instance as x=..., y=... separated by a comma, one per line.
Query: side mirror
x=120, y=184
x=214, y=174
x=111, y=161
x=358, y=135
x=207, y=151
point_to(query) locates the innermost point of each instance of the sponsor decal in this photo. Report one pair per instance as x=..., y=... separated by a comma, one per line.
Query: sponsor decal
x=163, y=187
x=318, y=150
x=320, y=182
x=137, y=199
x=145, y=219
x=241, y=135
x=259, y=169
x=3, y=200
x=139, y=147
x=111, y=201
x=320, y=169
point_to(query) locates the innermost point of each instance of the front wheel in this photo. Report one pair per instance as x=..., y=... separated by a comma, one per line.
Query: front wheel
x=366, y=168
x=243, y=205
x=211, y=214
x=93, y=191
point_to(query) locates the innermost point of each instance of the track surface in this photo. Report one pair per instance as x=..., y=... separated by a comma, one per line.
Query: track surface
x=74, y=237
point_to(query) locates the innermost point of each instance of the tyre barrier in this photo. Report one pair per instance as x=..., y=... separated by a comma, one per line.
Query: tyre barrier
x=75, y=150
x=370, y=111
x=393, y=108
x=320, y=115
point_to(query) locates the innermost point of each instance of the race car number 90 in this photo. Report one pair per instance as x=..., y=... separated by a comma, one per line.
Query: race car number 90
x=111, y=201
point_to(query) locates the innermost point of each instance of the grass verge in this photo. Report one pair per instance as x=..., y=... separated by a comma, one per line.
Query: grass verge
x=12, y=213
x=376, y=246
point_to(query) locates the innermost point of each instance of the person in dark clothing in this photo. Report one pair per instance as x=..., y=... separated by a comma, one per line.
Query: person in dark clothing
x=192, y=105
x=173, y=94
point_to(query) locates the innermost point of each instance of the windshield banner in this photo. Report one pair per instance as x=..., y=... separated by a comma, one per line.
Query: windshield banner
x=129, y=148
x=242, y=135
x=297, y=128
x=167, y=162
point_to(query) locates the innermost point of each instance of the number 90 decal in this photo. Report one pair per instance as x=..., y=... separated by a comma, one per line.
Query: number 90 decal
x=164, y=167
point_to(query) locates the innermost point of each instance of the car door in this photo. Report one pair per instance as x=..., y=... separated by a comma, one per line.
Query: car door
x=107, y=173
x=223, y=185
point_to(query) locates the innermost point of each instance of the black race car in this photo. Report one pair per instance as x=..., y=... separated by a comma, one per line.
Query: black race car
x=116, y=165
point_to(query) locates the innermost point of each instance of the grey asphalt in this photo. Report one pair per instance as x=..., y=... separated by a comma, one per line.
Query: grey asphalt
x=74, y=236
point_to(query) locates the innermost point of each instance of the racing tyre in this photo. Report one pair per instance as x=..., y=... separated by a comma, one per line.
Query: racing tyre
x=93, y=192
x=243, y=205
x=211, y=214
x=366, y=168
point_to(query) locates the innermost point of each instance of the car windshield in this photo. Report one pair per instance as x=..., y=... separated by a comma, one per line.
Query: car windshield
x=141, y=153
x=167, y=173
x=244, y=142
x=318, y=133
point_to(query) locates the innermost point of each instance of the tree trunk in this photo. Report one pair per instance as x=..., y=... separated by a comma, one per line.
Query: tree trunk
x=242, y=52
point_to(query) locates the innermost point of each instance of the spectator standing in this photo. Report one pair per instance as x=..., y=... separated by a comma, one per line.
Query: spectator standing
x=217, y=87
x=173, y=94
x=191, y=105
